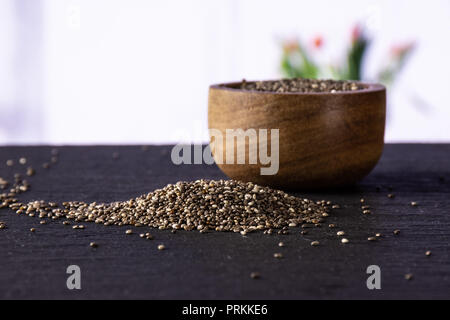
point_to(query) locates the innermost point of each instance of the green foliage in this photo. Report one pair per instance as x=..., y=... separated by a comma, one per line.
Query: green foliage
x=298, y=65
x=296, y=62
x=355, y=59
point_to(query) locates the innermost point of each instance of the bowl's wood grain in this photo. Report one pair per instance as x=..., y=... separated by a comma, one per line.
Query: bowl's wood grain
x=325, y=139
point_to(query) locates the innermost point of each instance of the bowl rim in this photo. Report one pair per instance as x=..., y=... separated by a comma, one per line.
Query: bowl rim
x=371, y=87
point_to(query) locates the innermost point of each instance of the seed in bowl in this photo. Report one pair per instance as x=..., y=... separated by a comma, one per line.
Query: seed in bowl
x=302, y=85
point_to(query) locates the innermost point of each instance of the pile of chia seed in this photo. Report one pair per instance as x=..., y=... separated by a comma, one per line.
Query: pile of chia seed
x=223, y=205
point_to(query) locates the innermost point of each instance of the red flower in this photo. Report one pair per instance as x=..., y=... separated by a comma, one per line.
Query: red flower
x=356, y=33
x=317, y=42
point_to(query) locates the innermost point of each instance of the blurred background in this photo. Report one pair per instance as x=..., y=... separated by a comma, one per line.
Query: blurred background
x=138, y=71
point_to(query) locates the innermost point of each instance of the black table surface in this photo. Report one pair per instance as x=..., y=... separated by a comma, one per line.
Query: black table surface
x=217, y=265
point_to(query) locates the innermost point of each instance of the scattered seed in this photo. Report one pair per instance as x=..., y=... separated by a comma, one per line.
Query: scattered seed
x=278, y=255
x=396, y=232
x=409, y=276
x=30, y=172
x=32, y=229
x=10, y=163
x=161, y=247
x=391, y=196
x=93, y=244
x=331, y=226
x=255, y=275
x=345, y=240
x=129, y=231
x=372, y=238
x=3, y=185
x=428, y=253
x=303, y=232
x=336, y=206
x=367, y=212
x=23, y=161
x=315, y=243
x=66, y=223
x=378, y=235
x=340, y=233
x=148, y=236
x=281, y=244
x=362, y=200
x=42, y=222
x=414, y=204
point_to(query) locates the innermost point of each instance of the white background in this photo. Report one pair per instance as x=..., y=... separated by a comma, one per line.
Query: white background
x=135, y=71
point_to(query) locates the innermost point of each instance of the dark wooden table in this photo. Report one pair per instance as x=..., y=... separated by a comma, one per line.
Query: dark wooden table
x=217, y=265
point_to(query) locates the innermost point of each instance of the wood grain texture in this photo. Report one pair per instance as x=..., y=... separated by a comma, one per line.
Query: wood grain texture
x=325, y=139
x=217, y=265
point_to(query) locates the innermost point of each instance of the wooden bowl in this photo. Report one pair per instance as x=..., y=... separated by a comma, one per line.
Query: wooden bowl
x=325, y=139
